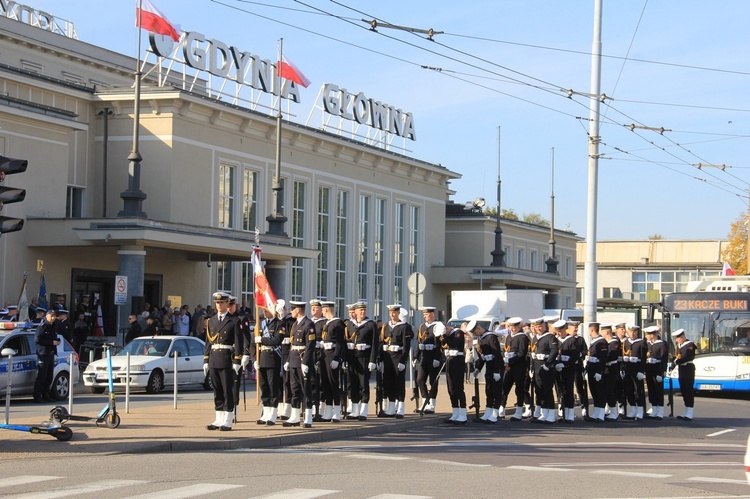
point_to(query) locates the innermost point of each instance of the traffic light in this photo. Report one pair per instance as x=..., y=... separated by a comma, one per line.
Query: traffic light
x=9, y=166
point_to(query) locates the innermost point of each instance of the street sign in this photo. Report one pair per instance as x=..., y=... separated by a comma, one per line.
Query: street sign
x=121, y=290
x=416, y=283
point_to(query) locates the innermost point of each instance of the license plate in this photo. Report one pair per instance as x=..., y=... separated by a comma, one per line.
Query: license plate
x=101, y=377
x=709, y=387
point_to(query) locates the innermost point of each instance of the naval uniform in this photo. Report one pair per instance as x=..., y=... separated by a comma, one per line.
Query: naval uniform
x=395, y=339
x=580, y=382
x=314, y=376
x=686, y=374
x=45, y=337
x=428, y=351
x=516, y=350
x=567, y=356
x=596, y=363
x=657, y=357
x=286, y=385
x=612, y=373
x=272, y=335
x=453, y=346
x=634, y=359
x=361, y=342
x=334, y=351
x=490, y=357
x=224, y=347
x=545, y=357
x=302, y=348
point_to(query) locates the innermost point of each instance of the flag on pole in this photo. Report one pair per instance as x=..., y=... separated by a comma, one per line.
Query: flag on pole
x=23, y=302
x=727, y=270
x=148, y=17
x=288, y=70
x=42, y=292
x=99, y=326
x=264, y=297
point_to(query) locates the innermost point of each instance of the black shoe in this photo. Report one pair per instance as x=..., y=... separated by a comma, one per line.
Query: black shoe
x=362, y=418
x=212, y=427
x=319, y=419
x=270, y=423
x=308, y=425
x=399, y=416
x=448, y=421
x=350, y=417
x=429, y=411
x=459, y=423
x=333, y=420
x=588, y=418
x=225, y=428
x=261, y=422
x=283, y=418
x=287, y=424
x=486, y=421
x=567, y=421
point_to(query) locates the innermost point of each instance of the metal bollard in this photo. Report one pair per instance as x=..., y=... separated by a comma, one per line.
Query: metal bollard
x=10, y=353
x=175, y=354
x=71, y=387
x=127, y=383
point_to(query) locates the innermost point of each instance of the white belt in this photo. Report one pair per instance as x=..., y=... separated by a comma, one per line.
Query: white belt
x=350, y=346
x=565, y=358
x=327, y=345
x=509, y=355
x=318, y=344
x=620, y=358
x=632, y=359
x=392, y=348
x=689, y=363
x=454, y=353
x=285, y=341
x=358, y=346
x=265, y=348
x=652, y=360
x=541, y=356
x=625, y=358
x=222, y=347
x=426, y=346
x=298, y=347
x=612, y=362
x=488, y=357
x=593, y=360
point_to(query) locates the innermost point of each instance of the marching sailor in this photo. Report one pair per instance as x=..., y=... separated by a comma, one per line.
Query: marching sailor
x=489, y=356
x=596, y=362
x=567, y=357
x=545, y=358
x=270, y=334
x=453, y=343
x=428, y=358
x=686, y=374
x=395, y=338
x=361, y=342
x=611, y=371
x=334, y=350
x=516, y=350
x=657, y=358
x=302, y=348
x=634, y=351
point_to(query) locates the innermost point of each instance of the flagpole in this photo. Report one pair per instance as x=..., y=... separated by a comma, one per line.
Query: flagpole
x=277, y=219
x=133, y=197
x=20, y=295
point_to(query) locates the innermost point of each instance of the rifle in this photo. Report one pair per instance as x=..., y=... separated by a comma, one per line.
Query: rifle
x=670, y=399
x=475, y=402
x=413, y=382
x=532, y=387
x=433, y=390
x=344, y=387
x=378, y=391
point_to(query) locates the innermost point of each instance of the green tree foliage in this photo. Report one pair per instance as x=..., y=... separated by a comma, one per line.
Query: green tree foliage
x=735, y=252
x=535, y=218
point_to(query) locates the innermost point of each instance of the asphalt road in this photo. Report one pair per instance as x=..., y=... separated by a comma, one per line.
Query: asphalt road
x=703, y=458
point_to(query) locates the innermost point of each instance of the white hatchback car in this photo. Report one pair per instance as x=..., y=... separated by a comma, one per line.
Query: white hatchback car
x=20, y=340
x=151, y=364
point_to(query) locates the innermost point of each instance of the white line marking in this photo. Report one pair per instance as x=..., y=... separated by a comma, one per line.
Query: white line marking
x=455, y=463
x=597, y=463
x=198, y=489
x=631, y=473
x=730, y=430
x=398, y=496
x=298, y=494
x=85, y=489
x=536, y=468
x=707, y=479
x=381, y=457
x=24, y=479
x=685, y=497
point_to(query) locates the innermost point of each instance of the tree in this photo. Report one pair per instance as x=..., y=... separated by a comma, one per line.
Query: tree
x=510, y=214
x=655, y=237
x=735, y=252
x=535, y=218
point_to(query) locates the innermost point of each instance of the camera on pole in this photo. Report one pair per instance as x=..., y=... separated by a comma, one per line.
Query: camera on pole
x=9, y=166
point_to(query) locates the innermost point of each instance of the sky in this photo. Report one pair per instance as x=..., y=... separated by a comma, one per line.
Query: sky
x=501, y=79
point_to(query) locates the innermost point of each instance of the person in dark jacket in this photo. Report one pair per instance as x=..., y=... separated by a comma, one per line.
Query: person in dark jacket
x=46, y=348
x=134, y=331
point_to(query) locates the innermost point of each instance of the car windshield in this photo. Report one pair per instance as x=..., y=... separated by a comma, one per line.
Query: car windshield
x=153, y=347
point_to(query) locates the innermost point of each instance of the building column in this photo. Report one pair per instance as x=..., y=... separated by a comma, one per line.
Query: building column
x=276, y=275
x=131, y=262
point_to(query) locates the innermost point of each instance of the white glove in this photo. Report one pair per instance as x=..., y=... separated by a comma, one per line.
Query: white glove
x=545, y=367
x=401, y=367
x=286, y=366
x=439, y=329
x=598, y=377
x=205, y=369
x=257, y=339
x=371, y=366
x=256, y=366
x=559, y=367
x=435, y=363
x=496, y=376
x=531, y=374
x=380, y=367
x=659, y=379
x=245, y=361
x=622, y=374
x=640, y=376
x=414, y=363
x=305, y=369
x=236, y=368
x=345, y=366
x=334, y=364
x=476, y=373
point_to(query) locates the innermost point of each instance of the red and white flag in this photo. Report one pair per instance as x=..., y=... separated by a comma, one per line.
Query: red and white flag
x=288, y=70
x=727, y=270
x=264, y=297
x=148, y=17
x=99, y=325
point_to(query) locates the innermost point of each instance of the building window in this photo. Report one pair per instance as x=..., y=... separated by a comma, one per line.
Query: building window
x=568, y=267
x=379, y=254
x=364, y=247
x=520, y=258
x=579, y=296
x=342, y=209
x=611, y=293
x=249, y=200
x=226, y=197
x=224, y=276
x=298, y=236
x=324, y=218
x=663, y=282
x=414, y=240
x=508, y=256
x=533, y=260
x=247, y=287
x=74, y=203
x=398, y=255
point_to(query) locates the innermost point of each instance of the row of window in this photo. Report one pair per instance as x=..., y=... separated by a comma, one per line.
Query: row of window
x=518, y=260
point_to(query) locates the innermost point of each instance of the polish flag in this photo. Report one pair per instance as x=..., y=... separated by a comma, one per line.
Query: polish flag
x=264, y=296
x=288, y=70
x=148, y=17
x=727, y=270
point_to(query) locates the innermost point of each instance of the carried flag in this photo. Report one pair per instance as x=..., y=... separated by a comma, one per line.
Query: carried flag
x=727, y=270
x=288, y=70
x=264, y=297
x=148, y=17
x=42, y=292
x=23, y=302
x=99, y=326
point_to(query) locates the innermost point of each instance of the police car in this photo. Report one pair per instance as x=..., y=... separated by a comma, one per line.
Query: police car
x=14, y=336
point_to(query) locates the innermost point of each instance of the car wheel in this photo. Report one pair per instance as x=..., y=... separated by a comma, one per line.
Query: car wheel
x=207, y=384
x=61, y=386
x=97, y=389
x=155, y=382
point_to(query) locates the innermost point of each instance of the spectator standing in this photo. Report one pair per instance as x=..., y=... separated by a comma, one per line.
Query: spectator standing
x=134, y=331
x=167, y=322
x=46, y=348
x=181, y=323
x=81, y=331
